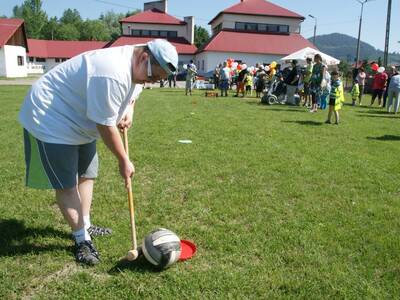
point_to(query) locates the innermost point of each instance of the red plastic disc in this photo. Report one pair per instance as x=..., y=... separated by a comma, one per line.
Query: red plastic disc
x=188, y=249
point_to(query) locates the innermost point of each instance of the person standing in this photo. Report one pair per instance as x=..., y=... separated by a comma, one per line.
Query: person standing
x=336, y=98
x=361, y=76
x=307, y=81
x=355, y=92
x=216, y=75
x=190, y=77
x=394, y=93
x=379, y=85
x=92, y=95
x=292, y=82
x=240, y=84
x=392, y=72
x=225, y=76
x=316, y=81
x=172, y=79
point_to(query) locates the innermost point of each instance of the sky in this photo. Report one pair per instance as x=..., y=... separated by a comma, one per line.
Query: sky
x=340, y=16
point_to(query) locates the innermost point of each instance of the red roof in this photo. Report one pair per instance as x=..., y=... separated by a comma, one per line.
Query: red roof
x=7, y=29
x=259, y=8
x=153, y=16
x=260, y=43
x=61, y=49
x=182, y=45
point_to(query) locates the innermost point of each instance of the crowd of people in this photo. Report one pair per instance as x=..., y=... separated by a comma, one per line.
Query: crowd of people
x=315, y=85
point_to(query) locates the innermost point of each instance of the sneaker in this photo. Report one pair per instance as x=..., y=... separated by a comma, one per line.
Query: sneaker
x=328, y=122
x=86, y=253
x=94, y=231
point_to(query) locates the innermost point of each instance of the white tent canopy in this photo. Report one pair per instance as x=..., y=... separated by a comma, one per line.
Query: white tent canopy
x=303, y=54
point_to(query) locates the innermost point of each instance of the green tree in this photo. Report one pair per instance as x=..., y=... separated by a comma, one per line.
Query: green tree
x=201, y=36
x=71, y=17
x=67, y=32
x=51, y=28
x=35, y=18
x=111, y=21
x=94, y=30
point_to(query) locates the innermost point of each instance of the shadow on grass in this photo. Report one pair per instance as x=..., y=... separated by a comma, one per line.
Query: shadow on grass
x=16, y=238
x=387, y=116
x=375, y=112
x=141, y=265
x=385, y=137
x=307, y=123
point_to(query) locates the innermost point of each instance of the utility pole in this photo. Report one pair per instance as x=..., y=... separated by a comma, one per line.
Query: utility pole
x=315, y=27
x=387, y=38
x=359, y=29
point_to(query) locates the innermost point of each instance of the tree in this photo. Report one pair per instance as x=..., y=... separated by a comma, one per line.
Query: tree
x=201, y=36
x=94, y=30
x=35, y=18
x=71, y=17
x=111, y=21
x=67, y=32
x=50, y=30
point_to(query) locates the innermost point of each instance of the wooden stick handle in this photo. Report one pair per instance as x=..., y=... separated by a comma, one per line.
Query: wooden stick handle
x=130, y=197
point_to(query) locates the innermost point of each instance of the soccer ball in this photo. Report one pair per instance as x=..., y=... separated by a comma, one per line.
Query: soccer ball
x=162, y=248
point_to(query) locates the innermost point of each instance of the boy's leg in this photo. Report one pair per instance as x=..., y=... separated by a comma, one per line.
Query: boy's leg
x=69, y=203
x=329, y=115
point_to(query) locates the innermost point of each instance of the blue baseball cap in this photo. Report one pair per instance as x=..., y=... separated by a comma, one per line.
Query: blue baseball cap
x=165, y=54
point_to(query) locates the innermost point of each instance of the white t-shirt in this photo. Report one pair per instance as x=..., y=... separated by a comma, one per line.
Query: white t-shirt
x=65, y=104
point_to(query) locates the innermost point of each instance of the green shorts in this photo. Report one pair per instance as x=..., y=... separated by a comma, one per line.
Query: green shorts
x=58, y=166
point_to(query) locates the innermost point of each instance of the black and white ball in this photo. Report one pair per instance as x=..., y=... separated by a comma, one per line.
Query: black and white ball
x=162, y=248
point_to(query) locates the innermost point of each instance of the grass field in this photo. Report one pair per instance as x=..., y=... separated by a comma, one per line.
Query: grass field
x=279, y=204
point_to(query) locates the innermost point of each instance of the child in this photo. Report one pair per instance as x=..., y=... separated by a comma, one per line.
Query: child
x=248, y=83
x=260, y=84
x=355, y=92
x=336, y=97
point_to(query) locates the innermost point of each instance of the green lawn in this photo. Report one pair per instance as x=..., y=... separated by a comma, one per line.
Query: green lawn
x=279, y=204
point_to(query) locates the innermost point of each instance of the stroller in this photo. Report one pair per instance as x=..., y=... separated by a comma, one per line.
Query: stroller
x=275, y=93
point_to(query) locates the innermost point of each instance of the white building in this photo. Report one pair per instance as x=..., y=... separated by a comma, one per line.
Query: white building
x=252, y=31
x=44, y=55
x=154, y=22
x=13, y=45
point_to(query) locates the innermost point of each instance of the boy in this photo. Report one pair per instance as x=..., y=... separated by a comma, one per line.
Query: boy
x=355, y=92
x=336, y=97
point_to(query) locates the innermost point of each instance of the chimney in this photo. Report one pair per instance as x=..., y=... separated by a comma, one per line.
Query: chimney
x=161, y=5
x=189, y=29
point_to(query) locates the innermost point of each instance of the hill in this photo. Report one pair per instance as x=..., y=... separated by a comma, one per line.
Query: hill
x=344, y=47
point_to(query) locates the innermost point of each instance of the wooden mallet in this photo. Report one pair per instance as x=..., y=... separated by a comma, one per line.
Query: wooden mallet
x=134, y=253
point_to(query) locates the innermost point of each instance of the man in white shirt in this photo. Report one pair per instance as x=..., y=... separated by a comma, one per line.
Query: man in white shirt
x=89, y=96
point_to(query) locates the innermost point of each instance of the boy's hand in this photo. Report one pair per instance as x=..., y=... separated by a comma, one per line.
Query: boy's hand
x=126, y=121
x=127, y=170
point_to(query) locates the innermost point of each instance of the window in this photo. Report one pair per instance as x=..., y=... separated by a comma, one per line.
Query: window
x=217, y=28
x=202, y=64
x=145, y=32
x=240, y=26
x=40, y=59
x=30, y=59
x=20, y=60
x=172, y=34
x=155, y=33
x=263, y=27
x=135, y=32
x=164, y=33
x=272, y=28
x=284, y=28
x=251, y=27
x=63, y=59
x=57, y=60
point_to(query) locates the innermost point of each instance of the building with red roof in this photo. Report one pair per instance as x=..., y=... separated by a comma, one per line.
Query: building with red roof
x=252, y=31
x=45, y=54
x=13, y=45
x=154, y=22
